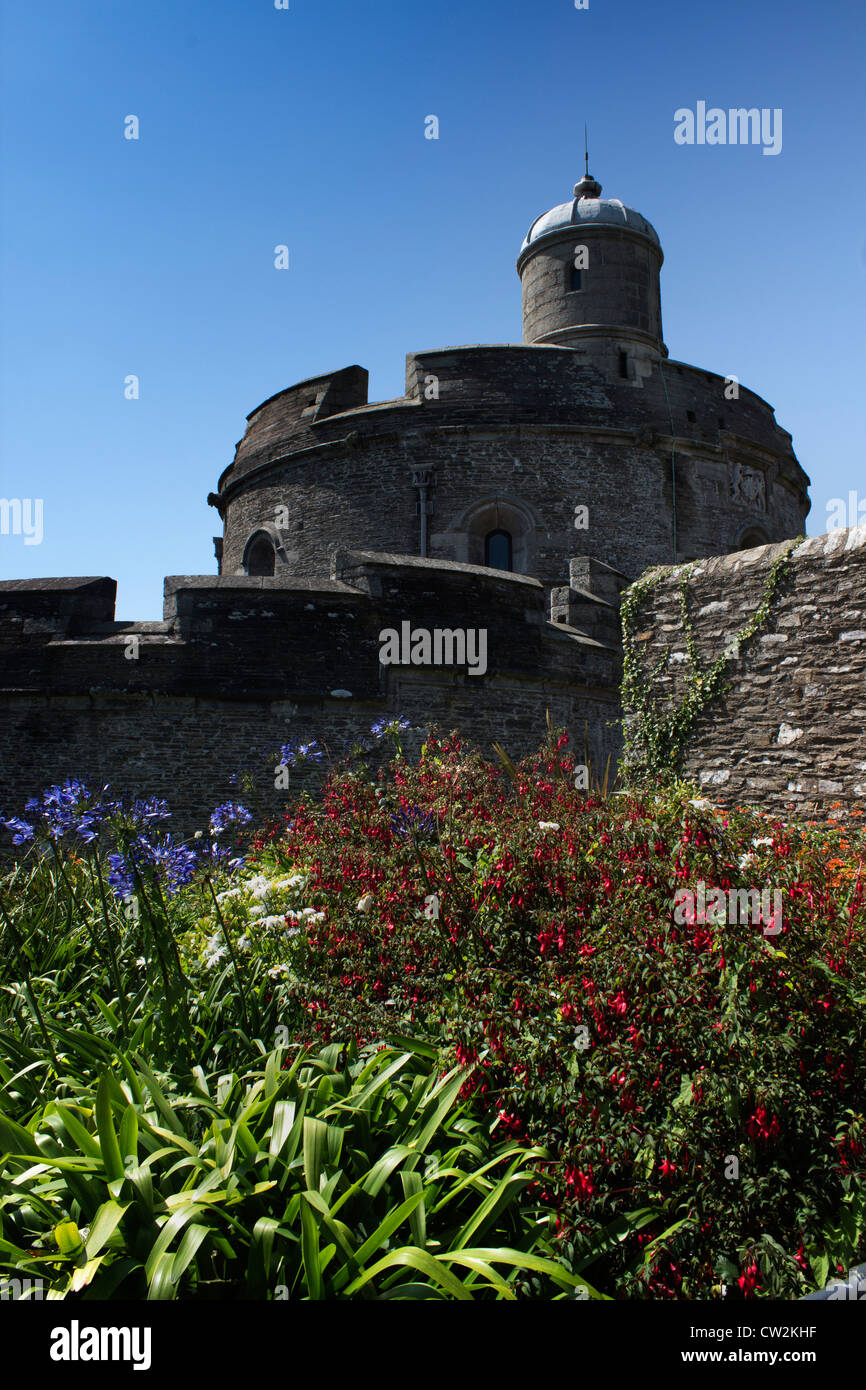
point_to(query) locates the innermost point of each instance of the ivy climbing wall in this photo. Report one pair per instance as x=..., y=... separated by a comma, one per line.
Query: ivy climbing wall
x=746, y=674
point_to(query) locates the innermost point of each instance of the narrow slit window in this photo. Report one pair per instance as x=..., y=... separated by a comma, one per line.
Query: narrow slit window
x=576, y=280
x=623, y=364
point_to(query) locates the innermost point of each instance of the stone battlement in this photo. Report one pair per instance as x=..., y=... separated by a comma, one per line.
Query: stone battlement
x=240, y=664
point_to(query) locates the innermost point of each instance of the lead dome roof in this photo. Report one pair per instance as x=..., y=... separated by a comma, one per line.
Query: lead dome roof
x=588, y=208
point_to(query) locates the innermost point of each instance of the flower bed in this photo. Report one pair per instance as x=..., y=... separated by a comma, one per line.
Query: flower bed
x=661, y=1000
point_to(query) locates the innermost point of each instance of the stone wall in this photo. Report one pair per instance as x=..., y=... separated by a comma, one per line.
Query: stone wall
x=789, y=734
x=620, y=288
x=239, y=666
x=535, y=431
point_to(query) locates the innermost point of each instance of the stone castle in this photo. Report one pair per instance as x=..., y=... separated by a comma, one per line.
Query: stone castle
x=516, y=489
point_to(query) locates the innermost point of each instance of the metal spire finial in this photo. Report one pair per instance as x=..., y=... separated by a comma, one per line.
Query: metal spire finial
x=588, y=186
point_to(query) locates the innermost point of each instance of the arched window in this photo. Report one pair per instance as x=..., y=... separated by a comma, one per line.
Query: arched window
x=498, y=550
x=474, y=533
x=752, y=538
x=259, y=557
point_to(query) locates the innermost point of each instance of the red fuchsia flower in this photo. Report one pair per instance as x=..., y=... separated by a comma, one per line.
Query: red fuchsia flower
x=748, y=1281
x=666, y=1279
x=667, y=1169
x=511, y=1123
x=761, y=1126
x=580, y=1181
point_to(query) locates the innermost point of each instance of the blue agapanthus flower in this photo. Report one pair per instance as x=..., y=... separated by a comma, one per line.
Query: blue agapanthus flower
x=120, y=876
x=395, y=725
x=296, y=752
x=173, y=863
x=146, y=812
x=216, y=856
x=230, y=813
x=66, y=809
x=21, y=830
x=414, y=821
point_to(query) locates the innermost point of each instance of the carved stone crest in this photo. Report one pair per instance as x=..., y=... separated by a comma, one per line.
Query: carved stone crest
x=749, y=487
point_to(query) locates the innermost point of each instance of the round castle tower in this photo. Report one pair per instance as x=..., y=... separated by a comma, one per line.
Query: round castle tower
x=584, y=440
x=590, y=275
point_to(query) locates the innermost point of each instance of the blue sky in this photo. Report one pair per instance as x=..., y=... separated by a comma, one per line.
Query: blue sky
x=305, y=127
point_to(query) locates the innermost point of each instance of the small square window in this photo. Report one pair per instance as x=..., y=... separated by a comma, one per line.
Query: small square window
x=691, y=416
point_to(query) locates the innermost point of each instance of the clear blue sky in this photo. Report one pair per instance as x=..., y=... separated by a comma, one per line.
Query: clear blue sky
x=306, y=127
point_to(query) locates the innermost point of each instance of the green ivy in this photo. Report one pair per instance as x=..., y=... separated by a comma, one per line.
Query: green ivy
x=656, y=738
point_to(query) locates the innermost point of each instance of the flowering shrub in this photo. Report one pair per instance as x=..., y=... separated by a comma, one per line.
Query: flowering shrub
x=260, y=914
x=689, y=1079
x=119, y=897
x=713, y=1070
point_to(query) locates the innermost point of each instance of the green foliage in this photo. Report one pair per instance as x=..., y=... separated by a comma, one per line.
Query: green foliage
x=330, y=1177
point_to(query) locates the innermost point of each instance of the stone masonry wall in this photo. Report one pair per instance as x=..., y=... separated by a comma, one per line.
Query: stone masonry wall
x=789, y=734
x=620, y=287
x=540, y=428
x=241, y=666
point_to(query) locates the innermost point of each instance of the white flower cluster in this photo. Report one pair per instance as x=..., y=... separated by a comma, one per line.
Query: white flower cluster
x=260, y=902
x=749, y=858
x=279, y=920
x=216, y=952
x=306, y=914
x=289, y=881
